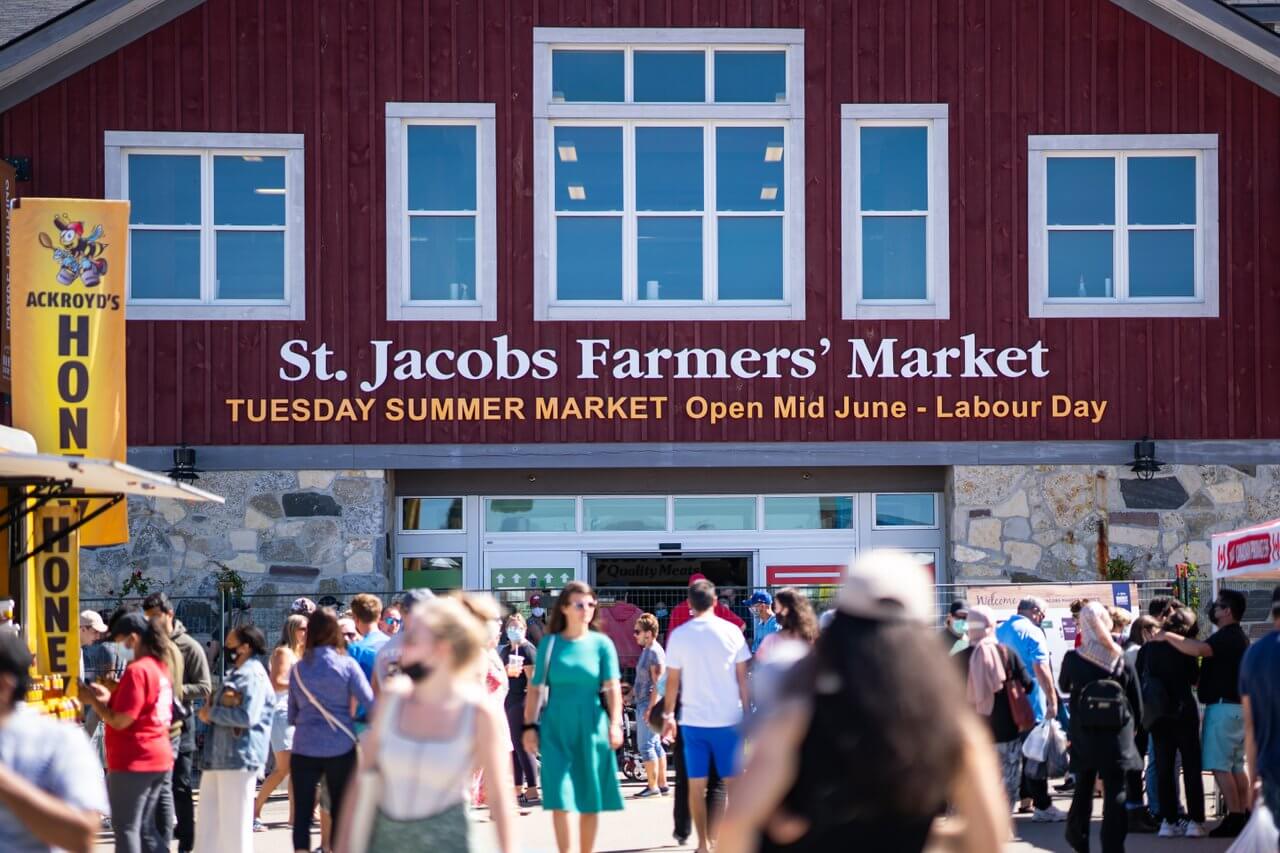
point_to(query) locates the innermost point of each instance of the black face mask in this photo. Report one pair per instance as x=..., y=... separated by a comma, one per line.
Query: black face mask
x=416, y=671
x=1213, y=614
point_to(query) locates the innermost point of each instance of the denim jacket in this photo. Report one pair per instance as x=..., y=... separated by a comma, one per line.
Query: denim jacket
x=239, y=735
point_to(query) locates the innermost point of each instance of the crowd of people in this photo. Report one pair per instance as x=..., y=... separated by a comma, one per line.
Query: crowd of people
x=390, y=722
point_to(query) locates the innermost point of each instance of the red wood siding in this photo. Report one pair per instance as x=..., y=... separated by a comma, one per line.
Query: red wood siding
x=1007, y=68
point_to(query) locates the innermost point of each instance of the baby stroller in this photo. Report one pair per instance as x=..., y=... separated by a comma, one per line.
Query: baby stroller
x=629, y=761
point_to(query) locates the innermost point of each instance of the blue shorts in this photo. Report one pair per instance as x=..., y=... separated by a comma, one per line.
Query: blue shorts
x=704, y=745
x=648, y=742
x=1223, y=737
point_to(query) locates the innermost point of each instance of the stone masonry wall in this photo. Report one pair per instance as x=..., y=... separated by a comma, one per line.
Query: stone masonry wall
x=283, y=531
x=1042, y=522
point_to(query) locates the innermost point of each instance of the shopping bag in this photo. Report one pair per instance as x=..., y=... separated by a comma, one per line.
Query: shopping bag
x=1259, y=834
x=1037, y=742
x=1056, y=759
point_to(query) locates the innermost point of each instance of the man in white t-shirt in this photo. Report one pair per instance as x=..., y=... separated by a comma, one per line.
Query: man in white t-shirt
x=707, y=668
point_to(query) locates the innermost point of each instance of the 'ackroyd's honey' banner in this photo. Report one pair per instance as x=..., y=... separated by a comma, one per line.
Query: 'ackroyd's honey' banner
x=67, y=264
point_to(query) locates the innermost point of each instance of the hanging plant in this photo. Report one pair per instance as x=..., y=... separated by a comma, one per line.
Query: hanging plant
x=1119, y=569
x=231, y=584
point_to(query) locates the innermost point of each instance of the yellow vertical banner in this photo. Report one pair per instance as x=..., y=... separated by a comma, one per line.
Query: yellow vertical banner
x=54, y=619
x=67, y=271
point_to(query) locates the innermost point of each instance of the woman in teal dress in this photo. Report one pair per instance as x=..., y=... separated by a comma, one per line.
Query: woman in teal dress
x=576, y=736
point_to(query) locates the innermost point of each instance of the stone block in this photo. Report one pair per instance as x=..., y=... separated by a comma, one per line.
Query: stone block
x=1159, y=493
x=1024, y=555
x=272, y=549
x=321, y=542
x=356, y=493
x=246, y=564
x=1136, y=519
x=255, y=520
x=268, y=505
x=1017, y=528
x=979, y=513
x=1141, y=537
x=178, y=544
x=371, y=473
x=351, y=584
x=1231, y=492
x=364, y=519
x=1014, y=506
x=1199, y=553
x=984, y=485
x=318, y=480
x=306, y=572
x=1069, y=494
x=360, y=562
x=306, y=504
x=275, y=481
x=149, y=539
x=965, y=554
x=244, y=540
x=172, y=511
x=985, y=533
x=1247, y=470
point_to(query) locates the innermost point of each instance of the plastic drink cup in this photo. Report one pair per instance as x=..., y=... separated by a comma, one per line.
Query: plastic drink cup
x=515, y=665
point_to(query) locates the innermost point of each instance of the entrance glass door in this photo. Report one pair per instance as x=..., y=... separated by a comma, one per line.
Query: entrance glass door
x=655, y=570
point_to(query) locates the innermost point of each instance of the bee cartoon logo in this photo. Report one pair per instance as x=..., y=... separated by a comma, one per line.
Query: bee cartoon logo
x=77, y=255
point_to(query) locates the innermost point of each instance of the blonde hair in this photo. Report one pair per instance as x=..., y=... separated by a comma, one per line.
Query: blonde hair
x=648, y=622
x=461, y=621
x=289, y=632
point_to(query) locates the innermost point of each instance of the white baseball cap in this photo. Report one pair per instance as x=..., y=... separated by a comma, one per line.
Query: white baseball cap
x=887, y=584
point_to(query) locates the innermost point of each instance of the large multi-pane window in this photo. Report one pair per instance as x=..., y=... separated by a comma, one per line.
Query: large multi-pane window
x=215, y=224
x=895, y=241
x=441, y=251
x=669, y=176
x=1123, y=226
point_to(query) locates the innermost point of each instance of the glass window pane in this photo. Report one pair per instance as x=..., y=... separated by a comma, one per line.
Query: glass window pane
x=588, y=257
x=669, y=168
x=1080, y=265
x=248, y=190
x=431, y=514
x=750, y=257
x=624, y=514
x=1162, y=190
x=442, y=574
x=749, y=173
x=442, y=258
x=442, y=167
x=831, y=512
x=586, y=75
x=670, y=257
x=669, y=76
x=164, y=264
x=751, y=76
x=893, y=166
x=905, y=510
x=164, y=189
x=1162, y=263
x=531, y=515
x=250, y=265
x=894, y=258
x=588, y=168
x=1082, y=190
x=715, y=513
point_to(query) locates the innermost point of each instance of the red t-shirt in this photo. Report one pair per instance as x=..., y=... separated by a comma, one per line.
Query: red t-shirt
x=146, y=694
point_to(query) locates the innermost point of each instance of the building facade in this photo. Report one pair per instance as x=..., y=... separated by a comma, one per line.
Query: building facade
x=448, y=293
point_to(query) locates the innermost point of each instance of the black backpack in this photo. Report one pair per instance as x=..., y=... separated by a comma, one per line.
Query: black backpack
x=1103, y=706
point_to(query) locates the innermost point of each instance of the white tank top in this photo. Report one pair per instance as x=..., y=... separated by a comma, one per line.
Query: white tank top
x=423, y=777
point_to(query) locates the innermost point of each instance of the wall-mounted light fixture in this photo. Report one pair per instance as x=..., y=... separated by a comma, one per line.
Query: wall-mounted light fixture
x=184, y=468
x=1145, y=464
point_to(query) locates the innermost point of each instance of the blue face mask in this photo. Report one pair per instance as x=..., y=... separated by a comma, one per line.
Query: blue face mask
x=662, y=611
x=515, y=635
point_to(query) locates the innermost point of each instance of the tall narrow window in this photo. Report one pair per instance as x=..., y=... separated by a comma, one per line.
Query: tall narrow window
x=670, y=174
x=1123, y=226
x=441, y=251
x=215, y=224
x=894, y=224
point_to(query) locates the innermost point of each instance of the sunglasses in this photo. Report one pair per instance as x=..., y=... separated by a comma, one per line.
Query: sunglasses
x=395, y=623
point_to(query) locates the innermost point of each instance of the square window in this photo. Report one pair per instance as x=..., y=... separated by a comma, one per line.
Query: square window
x=442, y=258
x=1123, y=226
x=718, y=513
x=906, y=510
x=895, y=239
x=439, y=574
x=588, y=76
x=430, y=515
x=670, y=76
x=750, y=76
x=663, y=177
x=441, y=217
x=215, y=224
x=750, y=257
x=827, y=512
x=531, y=515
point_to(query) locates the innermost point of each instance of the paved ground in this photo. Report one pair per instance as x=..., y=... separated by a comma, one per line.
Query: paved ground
x=646, y=825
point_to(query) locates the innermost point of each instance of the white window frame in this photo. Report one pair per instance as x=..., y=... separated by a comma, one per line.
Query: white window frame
x=577, y=514
x=1202, y=146
x=937, y=302
x=708, y=115
x=400, y=529
x=875, y=513
x=853, y=514
x=461, y=556
x=399, y=118
x=120, y=144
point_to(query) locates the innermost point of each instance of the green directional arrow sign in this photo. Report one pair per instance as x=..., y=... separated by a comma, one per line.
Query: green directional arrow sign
x=539, y=578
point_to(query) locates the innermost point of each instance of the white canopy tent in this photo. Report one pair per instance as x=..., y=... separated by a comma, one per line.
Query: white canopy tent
x=1249, y=554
